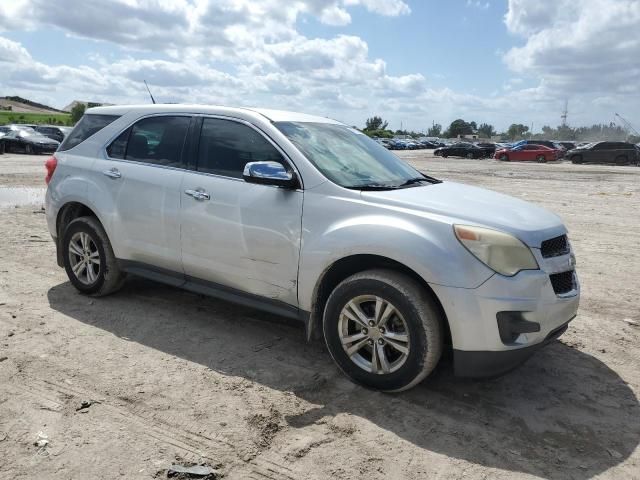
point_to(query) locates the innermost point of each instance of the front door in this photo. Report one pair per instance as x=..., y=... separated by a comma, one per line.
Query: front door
x=236, y=234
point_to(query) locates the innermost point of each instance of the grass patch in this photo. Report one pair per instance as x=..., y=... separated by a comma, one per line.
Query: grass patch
x=39, y=118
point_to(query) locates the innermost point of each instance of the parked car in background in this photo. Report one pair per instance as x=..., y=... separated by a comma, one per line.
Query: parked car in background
x=389, y=265
x=547, y=143
x=620, y=153
x=53, y=131
x=461, y=149
x=568, y=145
x=489, y=148
x=527, y=152
x=28, y=141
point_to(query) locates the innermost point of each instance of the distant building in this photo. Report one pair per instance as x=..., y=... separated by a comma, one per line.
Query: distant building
x=69, y=107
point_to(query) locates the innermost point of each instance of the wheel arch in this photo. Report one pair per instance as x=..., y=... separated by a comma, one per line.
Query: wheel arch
x=67, y=213
x=343, y=268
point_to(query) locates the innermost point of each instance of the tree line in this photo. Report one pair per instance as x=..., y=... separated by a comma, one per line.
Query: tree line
x=377, y=127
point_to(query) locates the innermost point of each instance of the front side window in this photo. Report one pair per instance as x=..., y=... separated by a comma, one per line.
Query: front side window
x=156, y=140
x=348, y=157
x=88, y=125
x=227, y=146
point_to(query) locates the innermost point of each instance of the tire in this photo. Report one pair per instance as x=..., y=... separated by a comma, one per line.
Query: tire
x=576, y=159
x=621, y=160
x=106, y=276
x=504, y=158
x=416, y=316
x=541, y=159
x=445, y=155
x=28, y=149
x=470, y=155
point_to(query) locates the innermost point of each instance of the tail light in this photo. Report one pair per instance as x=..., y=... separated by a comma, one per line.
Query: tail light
x=50, y=165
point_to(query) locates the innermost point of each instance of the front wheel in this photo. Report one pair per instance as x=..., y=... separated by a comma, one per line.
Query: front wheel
x=503, y=158
x=383, y=330
x=89, y=259
x=576, y=159
x=28, y=149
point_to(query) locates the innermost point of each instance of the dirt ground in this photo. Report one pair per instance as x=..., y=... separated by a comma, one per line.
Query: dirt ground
x=175, y=377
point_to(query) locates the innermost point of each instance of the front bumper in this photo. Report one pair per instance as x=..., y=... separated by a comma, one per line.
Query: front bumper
x=479, y=349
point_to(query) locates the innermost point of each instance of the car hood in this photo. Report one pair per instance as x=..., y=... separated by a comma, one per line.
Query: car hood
x=464, y=204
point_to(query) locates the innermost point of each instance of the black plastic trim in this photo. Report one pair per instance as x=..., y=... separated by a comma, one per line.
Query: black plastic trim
x=475, y=364
x=213, y=289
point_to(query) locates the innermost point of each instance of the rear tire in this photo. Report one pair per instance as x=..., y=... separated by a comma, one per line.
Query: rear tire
x=391, y=352
x=621, y=160
x=470, y=155
x=89, y=259
x=541, y=159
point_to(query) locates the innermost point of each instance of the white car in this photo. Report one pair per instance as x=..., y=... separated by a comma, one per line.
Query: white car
x=308, y=218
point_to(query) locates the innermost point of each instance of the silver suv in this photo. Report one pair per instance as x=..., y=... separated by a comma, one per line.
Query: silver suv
x=309, y=218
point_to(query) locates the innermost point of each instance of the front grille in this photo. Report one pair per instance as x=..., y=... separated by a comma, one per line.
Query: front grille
x=554, y=247
x=563, y=282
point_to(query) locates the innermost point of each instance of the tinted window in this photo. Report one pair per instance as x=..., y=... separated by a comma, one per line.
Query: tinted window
x=87, y=126
x=602, y=146
x=227, y=146
x=157, y=140
x=118, y=147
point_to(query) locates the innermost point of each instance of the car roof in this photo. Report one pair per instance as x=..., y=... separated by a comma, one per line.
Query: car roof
x=273, y=115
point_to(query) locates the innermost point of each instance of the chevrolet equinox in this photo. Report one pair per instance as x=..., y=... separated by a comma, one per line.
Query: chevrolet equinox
x=308, y=218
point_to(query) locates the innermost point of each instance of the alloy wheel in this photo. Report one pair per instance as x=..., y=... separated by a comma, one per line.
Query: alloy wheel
x=374, y=335
x=84, y=258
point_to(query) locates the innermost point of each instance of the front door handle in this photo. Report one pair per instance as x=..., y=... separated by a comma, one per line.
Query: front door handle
x=198, y=194
x=112, y=173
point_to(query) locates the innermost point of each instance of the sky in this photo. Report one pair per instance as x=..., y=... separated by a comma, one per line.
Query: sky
x=412, y=62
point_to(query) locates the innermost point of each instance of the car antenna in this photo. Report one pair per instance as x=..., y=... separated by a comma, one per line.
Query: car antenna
x=152, y=99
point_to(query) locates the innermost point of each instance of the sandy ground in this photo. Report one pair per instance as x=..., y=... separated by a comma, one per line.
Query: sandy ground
x=173, y=376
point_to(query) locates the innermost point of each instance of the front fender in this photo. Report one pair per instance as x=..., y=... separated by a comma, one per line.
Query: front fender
x=426, y=246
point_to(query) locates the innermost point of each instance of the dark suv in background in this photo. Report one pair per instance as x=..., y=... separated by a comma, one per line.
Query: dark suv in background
x=54, y=132
x=619, y=153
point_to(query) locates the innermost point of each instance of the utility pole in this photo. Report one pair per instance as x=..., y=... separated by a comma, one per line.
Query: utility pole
x=565, y=112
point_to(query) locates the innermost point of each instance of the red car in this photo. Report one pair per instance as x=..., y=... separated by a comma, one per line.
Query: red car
x=528, y=152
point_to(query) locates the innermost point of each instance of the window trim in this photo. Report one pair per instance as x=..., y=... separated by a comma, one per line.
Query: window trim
x=197, y=134
x=186, y=164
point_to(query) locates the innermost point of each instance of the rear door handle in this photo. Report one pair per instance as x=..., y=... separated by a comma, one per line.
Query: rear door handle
x=112, y=173
x=198, y=194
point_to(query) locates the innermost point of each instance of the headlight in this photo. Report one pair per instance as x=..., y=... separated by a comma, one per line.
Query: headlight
x=499, y=251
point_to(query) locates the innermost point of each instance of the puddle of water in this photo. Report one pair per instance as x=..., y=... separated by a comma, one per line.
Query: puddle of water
x=12, y=196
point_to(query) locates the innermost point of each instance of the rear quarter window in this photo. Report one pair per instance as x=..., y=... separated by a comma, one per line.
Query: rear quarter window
x=88, y=125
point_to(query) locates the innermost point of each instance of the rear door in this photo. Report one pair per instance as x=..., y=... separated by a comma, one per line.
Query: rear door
x=141, y=176
x=235, y=234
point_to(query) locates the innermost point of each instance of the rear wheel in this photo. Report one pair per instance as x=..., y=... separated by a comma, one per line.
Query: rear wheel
x=470, y=155
x=88, y=258
x=622, y=160
x=576, y=159
x=541, y=159
x=383, y=330
x=28, y=149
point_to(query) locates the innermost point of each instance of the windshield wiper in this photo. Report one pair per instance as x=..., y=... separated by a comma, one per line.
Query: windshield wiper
x=413, y=181
x=372, y=186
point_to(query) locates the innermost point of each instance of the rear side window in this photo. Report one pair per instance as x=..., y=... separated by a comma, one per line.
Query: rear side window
x=227, y=146
x=156, y=140
x=87, y=126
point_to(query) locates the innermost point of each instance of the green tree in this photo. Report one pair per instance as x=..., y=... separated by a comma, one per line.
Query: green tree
x=375, y=123
x=517, y=130
x=486, y=130
x=459, y=127
x=77, y=112
x=435, y=130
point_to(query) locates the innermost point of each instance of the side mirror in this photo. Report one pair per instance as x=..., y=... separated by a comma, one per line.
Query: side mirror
x=269, y=173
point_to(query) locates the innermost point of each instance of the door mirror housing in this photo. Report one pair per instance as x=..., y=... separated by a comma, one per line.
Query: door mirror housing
x=269, y=173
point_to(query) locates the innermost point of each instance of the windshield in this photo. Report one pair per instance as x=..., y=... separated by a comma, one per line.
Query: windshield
x=348, y=157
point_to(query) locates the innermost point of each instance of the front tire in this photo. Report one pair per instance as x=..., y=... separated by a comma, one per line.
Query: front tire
x=576, y=159
x=28, y=149
x=383, y=329
x=89, y=259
